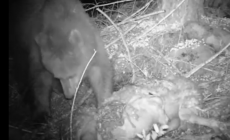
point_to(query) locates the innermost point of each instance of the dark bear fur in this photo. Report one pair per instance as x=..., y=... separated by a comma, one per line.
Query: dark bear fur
x=55, y=42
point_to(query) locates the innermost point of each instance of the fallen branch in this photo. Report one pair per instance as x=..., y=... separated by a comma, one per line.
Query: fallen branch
x=75, y=94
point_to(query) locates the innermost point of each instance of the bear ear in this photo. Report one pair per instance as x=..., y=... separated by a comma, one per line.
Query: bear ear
x=41, y=39
x=75, y=37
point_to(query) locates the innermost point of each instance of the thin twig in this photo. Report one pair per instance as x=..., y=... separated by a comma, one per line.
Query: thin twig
x=146, y=32
x=145, y=16
x=24, y=130
x=124, y=42
x=89, y=92
x=125, y=20
x=75, y=94
x=206, y=62
x=131, y=28
x=97, y=6
x=140, y=70
x=194, y=65
x=118, y=38
x=168, y=62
